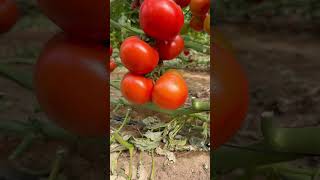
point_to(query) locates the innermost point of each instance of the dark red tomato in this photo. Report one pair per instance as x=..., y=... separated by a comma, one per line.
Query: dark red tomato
x=136, y=89
x=170, y=49
x=138, y=56
x=230, y=96
x=182, y=3
x=170, y=91
x=112, y=65
x=161, y=19
x=199, y=7
x=196, y=23
x=70, y=82
x=186, y=52
x=85, y=19
x=9, y=15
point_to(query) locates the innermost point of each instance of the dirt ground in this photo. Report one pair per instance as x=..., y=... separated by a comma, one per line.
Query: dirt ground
x=283, y=71
x=188, y=165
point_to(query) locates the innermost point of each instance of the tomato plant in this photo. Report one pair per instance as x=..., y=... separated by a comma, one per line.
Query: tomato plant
x=70, y=81
x=170, y=49
x=80, y=18
x=170, y=90
x=138, y=56
x=161, y=19
x=137, y=89
x=9, y=15
x=230, y=96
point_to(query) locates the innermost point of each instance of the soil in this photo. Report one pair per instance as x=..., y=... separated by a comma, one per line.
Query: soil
x=188, y=165
x=283, y=71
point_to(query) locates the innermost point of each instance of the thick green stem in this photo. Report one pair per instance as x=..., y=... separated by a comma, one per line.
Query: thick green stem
x=25, y=144
x=57, y=165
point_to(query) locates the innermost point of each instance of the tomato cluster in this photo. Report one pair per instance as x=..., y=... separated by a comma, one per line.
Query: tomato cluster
x=162, y=21
x=70, y=76
x=9, y=15
x=200, y=19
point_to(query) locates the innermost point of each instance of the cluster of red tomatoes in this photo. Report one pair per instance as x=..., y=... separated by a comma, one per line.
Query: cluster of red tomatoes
x=70, y=75
x=200, y=19
x=9, y=15
x=169, y=91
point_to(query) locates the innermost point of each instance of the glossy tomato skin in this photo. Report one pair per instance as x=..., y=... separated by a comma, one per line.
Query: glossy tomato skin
x=136, y=89
x=230, y=96
x=9, y=15
x=161, y=19
x=70, y=82
x=170, y=49
x=197, y=23
x=170, y=91
x=84, y=19
x=182, y=3
x=138, y=56
x=199, y=7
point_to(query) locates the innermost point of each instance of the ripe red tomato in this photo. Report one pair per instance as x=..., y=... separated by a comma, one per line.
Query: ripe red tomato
x=112, y=65
x=196, y=23
x=206, y=24
x=183, y=3
x=170, y=91
x=80, y=18
x=136, y=89
x=138, y=56
x=199, y=7
x=9, y=15
x=170, y=49
x=70, y=82
x=230, y=96
x=161, y=19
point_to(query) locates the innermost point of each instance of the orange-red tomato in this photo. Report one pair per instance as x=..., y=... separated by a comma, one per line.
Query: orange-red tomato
x=170, y=49
x=85, y=19
x=161, y=19
x=170, y=91
x=138, y=56
x=206, y=24
x=136, y=89
x=112, y=65
x=196, y=23
x=70, y=82
x=230, y=96
x=199, y=7
x=9, y=15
